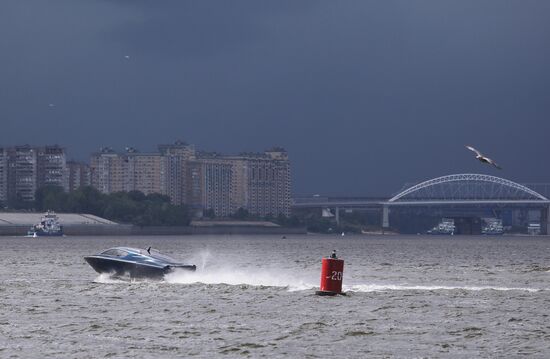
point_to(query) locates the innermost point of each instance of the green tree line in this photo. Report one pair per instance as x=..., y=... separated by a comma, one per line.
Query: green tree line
x=125, y=207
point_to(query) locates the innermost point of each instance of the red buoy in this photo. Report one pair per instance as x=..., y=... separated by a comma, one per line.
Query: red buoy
x=332, y=274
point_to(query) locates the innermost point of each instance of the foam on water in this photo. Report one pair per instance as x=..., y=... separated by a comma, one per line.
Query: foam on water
x=216, y=269
x=106, y=278
x=390, y=287
x=276, y=278
x=233, y=276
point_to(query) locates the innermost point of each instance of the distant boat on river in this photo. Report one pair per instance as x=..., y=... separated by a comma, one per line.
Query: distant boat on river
x=49, y=226
x=445, y=227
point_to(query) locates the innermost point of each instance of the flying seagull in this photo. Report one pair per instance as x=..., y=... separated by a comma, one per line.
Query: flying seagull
x=482, y=158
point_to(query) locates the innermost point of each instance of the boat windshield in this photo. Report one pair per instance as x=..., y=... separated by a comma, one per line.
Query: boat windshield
x=115, y=253
x=162, y=257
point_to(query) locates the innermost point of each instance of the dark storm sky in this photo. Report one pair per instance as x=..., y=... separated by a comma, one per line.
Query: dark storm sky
x=365, y=95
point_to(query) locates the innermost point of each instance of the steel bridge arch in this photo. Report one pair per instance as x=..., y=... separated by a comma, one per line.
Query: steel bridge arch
x=468, y=177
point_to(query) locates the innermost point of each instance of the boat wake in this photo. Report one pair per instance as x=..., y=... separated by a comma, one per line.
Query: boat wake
x=233, y=276
x=281, y=279
x=396, y=287
x=210, y=270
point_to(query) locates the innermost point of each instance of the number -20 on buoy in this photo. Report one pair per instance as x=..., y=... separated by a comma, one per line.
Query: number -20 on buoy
x=332, y=274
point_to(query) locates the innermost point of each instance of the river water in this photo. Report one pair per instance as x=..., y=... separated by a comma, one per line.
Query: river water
x=254, y=296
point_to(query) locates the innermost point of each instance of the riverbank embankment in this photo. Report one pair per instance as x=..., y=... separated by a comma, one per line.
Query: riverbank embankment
x=77, y=224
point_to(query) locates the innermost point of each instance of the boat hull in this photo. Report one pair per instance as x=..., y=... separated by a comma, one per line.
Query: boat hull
x=440, y=233
x=46, y=234
x=115, y=267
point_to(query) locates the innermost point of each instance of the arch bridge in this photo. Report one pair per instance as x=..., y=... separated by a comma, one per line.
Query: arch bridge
x=469, y=190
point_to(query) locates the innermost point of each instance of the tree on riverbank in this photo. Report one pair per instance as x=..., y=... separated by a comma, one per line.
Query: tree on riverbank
x=126, y=207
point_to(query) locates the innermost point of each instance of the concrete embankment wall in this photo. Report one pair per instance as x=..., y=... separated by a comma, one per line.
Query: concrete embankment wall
x=126, y=230
x=74, y=230
x=216, y=230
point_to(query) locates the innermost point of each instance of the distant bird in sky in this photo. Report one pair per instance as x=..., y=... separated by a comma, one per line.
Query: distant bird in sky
x=127, y=57
x=51, y=105
x=482, y=158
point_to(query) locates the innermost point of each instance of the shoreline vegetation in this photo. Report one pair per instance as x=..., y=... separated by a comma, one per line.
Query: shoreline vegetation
x=132, y=207
x=136, y=209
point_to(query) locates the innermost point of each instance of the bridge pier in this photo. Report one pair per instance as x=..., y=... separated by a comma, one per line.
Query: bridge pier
x=385, y=217
x=337, y=216
x=544, y=220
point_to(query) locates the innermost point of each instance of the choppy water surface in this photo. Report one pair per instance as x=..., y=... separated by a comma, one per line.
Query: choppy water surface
x=253, y=296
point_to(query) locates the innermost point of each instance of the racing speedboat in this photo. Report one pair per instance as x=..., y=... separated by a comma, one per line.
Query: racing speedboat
x=137, y=263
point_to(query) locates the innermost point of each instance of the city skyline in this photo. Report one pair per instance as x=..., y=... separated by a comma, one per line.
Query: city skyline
x=543, y=185
x=365, y=96
x=259, y=183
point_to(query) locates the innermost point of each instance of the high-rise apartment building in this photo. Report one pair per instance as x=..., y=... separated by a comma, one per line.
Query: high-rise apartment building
x=79, y=175
x=194, y=186
x=176, y=158
x=51, y=167
x=108, y=171
x=130, y=171
x=145, y=172
x=22, y=173
x=24, y=169
x=257, y=182
x=214, y=184
x=268, y=183
x=239, y=183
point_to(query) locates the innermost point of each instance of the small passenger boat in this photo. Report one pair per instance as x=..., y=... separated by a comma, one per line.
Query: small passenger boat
x=446, y=227
x=48, y=227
